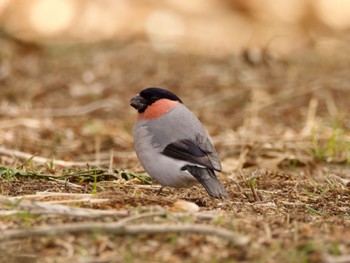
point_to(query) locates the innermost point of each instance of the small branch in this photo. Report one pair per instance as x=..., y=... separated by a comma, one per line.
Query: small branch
x=65, y=182
x=38, y=159
x=75, y=111
x=311, y=116
x=255, y=194
x=80, y=201
x=40, y=195
x=50, y=209
x=124, y=221
x=337, y=259
x=67, y=112
x=117, y=229
x=23, y=122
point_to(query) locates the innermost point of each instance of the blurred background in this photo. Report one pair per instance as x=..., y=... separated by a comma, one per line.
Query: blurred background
x=215, y=27
x=251, y=70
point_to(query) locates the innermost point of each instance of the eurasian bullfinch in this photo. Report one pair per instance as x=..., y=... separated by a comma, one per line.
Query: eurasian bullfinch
x=172, y=145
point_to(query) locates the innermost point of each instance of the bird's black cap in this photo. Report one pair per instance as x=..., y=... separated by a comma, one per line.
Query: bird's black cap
x=151, y=95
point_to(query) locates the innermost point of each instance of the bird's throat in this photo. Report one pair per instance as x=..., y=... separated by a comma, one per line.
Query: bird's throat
x=157, y=109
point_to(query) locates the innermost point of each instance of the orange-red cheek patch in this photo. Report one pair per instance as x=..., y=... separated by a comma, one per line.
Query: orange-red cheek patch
x=157, y=109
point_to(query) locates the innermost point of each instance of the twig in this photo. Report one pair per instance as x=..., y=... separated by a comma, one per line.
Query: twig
x=255, y=194
x=337, y=178
x=40, y=195
x=69, y=112
x=337, y=259
x=117, y=229
x=81, y=201
x=38, y=159
x=76, y=111
x=242, y=157
x=66, y=183
x=110, y=167
x=264, y=204
x=149, y=187
x=25, y=162
x=311, y=116
x=24, y=122
x=10, y=212
x=288, y=95
x=45, y=208
x=124, y=221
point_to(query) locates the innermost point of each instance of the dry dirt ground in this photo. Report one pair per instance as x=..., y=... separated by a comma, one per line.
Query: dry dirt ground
x=71, y=188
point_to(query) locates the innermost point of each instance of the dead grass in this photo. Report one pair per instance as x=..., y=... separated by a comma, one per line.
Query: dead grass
x=71, y=187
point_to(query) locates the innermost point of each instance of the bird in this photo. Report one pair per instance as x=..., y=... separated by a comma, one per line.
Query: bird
x=172, y=145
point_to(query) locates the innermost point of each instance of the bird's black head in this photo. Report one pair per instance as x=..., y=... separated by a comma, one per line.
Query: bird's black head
x=149, y=96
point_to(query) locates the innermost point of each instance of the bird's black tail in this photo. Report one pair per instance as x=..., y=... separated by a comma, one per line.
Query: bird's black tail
x=209, y=181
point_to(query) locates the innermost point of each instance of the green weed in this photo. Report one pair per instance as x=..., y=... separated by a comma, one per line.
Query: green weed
x=6, y=173
x=312, y=211
x=334, y=249
x=300, y=254
x=336, y=146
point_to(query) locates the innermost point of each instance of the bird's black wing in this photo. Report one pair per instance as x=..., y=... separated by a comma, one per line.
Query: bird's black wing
x=199, y=151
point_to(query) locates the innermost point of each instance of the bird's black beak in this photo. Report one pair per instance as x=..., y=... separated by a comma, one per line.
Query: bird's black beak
x=138, y=103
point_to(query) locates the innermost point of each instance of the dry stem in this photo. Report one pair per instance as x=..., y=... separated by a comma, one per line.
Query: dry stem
x=117, y=229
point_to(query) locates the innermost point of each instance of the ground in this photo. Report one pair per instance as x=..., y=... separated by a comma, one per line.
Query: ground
x=72, y=188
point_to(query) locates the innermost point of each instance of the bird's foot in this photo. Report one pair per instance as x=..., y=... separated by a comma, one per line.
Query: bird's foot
x=160, y=190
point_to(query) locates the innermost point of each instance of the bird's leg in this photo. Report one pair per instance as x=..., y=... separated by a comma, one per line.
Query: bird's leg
x=160, y=190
